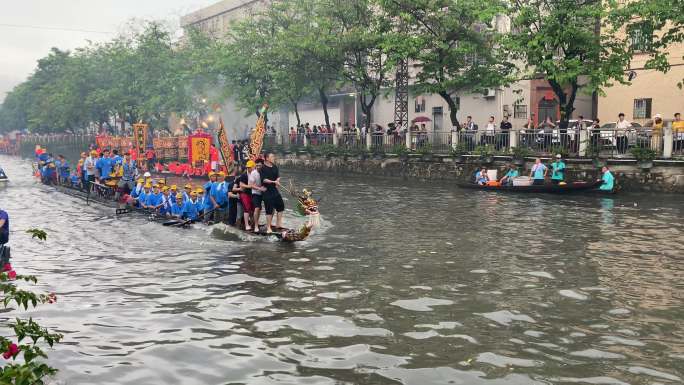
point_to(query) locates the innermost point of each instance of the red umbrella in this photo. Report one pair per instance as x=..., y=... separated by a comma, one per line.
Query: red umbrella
x=421, y=119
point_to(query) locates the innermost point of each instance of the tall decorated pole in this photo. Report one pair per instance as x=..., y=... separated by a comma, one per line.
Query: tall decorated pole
x=224, y=148
x=256, y=140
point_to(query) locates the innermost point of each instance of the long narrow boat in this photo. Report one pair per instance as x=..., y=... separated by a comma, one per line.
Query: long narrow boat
x=281, y=234
x=569, y=188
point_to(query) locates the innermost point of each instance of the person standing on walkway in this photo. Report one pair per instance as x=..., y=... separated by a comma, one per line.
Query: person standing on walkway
x=505, y=126
x=657, y=133
x=621, y=129
x=489, y=131
x=678, y=132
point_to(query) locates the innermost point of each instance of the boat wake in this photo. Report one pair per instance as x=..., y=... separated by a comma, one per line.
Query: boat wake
x=225, y=232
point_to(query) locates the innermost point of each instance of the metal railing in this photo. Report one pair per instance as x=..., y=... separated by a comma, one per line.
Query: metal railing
x=603, y=142
x=678, y=144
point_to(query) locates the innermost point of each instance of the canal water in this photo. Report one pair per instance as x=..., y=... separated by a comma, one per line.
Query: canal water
x=405, y=282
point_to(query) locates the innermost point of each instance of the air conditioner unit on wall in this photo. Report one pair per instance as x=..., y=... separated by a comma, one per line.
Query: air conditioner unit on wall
x=490, y=93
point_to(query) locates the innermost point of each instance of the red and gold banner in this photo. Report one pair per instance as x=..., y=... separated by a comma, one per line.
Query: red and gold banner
x=226, y=154
x=257, y=137
x=140, y=137
x=198, y=148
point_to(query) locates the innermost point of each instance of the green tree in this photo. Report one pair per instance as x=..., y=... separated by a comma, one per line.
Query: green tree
x=311, y=37
x=453, y=45
x=570, y=43
x=361, y=32
x=652, y=27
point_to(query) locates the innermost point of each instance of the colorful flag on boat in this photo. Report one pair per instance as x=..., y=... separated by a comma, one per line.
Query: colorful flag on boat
x=257, y=137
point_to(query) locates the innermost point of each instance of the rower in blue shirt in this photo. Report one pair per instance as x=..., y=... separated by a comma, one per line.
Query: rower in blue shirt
x=165, y=203
x=139, y=188
x=153, y=200
x=177, y=206
x=190, y=207
x=186, y=193
x=507, y=179
x=201, y=200
x=142, y=198
x=608, y=180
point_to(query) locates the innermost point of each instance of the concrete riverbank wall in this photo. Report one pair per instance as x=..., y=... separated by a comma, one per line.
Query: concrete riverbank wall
x=664, y=176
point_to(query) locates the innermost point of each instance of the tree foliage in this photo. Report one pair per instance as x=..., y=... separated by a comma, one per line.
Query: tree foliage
x=570, y=43
x=139, y=76
x=454, y=46
x=27, y=338
x=303, y=50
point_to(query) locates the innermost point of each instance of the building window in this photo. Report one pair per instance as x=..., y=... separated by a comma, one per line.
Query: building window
x=520, y=111
x=640, y=36
x=420, y=105
x=642, y=108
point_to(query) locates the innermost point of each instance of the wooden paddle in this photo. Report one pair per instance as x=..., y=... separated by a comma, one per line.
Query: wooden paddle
x=181, y=223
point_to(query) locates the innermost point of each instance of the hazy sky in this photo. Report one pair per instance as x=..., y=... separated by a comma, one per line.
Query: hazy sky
x=29, y=28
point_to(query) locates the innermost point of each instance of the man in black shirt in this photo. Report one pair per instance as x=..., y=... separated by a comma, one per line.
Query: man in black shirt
x=270, y=178
x=505, y=128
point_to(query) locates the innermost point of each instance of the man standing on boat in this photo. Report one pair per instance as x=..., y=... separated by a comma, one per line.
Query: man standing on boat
x=128, y=171
x=558, y=170
x=270, y=178
x=257, y=191
x=538, y=173
x=90, y=167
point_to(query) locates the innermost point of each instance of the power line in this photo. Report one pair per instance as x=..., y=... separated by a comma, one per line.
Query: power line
x=52, y=28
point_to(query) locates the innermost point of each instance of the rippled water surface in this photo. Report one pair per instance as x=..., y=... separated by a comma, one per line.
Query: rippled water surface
x=406, y=282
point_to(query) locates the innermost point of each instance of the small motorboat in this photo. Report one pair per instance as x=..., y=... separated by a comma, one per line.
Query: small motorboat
x=567, y=188
x=3, y=176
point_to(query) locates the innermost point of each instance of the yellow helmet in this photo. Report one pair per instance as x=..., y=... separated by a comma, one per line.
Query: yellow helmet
x=221, y=173
x=251, y=164
x=193, y=194
x=165, y=188
x=200, y=191
x=140, y=180
x=188, y=186
x=148, y=185
x=174, y=187
x=179, y=196
x=211, y=173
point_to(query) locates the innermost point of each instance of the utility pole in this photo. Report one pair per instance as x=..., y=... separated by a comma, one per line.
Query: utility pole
x=401, y=96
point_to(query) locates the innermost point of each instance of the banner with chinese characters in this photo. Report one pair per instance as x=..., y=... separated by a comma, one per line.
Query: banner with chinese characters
x=226, y=154
x=257, y=137
x=198, y=148
x=140, y=137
